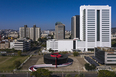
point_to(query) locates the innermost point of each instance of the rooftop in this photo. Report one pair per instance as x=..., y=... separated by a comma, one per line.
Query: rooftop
x=58, y=23
x=106, y=49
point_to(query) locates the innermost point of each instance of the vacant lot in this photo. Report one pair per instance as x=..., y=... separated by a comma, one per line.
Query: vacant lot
x=30, y=62
x=6, y=62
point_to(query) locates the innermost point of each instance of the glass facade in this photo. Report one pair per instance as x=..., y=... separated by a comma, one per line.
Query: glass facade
x=84, y=26
x=74, y=44
x=98, y=25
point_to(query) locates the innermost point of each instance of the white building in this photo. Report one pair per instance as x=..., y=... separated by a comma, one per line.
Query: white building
x=20, y=44
x=95, y=25
x=60, y=45
x=95, y=30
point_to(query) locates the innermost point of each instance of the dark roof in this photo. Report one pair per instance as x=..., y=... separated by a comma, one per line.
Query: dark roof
x=58, y=23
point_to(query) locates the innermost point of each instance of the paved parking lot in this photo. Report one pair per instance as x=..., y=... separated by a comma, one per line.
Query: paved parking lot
x=78, y=64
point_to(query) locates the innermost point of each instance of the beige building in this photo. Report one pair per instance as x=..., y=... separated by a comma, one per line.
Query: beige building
x=35, y=33
x=75, y=27
x=4, y=45
x=59, y=30
x=24, y=31
x=67, y=34
x=13, y=34
x=113, y=36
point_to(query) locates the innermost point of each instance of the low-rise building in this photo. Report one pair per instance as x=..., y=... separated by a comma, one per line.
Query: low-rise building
x=73, y=45
x=4, y=45
x=21, y=44
x=44, y=35
x=13, y=35
x=113, y=36
x=106, y=55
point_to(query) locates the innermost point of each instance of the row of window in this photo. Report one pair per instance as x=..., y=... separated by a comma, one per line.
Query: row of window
x=114, y=35
x=105, y=25
x=90, y=27
x=105, y=19
x=111, y=60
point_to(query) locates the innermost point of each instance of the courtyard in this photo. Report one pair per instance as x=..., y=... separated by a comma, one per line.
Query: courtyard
x=77, y=65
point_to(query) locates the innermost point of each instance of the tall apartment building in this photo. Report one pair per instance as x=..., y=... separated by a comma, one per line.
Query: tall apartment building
x=95, y=25
x=59, y=30
x=75, y=26
x=35, y=33
x=24, y=31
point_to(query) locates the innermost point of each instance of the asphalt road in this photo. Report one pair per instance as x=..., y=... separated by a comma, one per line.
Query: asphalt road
x=53, y=75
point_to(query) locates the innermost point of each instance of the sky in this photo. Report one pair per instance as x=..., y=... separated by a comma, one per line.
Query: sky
x=45, y=13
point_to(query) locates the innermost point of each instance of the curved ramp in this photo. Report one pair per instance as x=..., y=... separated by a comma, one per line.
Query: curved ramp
x=35, y=67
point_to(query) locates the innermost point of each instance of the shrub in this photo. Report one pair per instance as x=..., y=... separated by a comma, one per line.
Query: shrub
x=3, y=75
x=41, y=73
x=63, y=52
x=16, y=63
x=80, y=75
x=50, y=50
x=106, y=73
x=19, y=53
x=75, y=53
x=89, y=67
x=68, y=75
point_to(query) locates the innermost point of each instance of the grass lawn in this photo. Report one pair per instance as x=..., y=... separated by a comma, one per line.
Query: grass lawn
x=2, y=59
x=6, y=62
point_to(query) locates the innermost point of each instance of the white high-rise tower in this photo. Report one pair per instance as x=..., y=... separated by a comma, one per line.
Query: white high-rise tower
x=95, y=25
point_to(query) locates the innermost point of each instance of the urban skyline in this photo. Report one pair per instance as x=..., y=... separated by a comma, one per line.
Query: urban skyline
x=44, y=13
x=89, y=46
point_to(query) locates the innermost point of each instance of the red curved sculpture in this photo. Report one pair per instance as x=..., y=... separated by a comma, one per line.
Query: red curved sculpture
x=56, y=55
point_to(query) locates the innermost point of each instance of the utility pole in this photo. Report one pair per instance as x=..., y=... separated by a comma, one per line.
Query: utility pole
x=56, y=61
x=27, y=74
x=62, y=74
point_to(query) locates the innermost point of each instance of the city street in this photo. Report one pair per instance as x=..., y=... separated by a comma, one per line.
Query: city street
x=53, y=75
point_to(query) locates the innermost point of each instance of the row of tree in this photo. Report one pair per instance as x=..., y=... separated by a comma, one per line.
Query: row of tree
x=46, y=73
x=90, y=67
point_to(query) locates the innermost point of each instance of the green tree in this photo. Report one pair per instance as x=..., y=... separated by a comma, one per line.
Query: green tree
x=68, y=75
x=50, y=50
x=93, y=66
x=80, y=75
x=3, y=75
x=13, y=49
x=40, y=40
x=106, y=73
x=89, y=67
x=16, y=63
x=43, y=45
x=19, y=53
x=75, y=53
x=41, y=73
